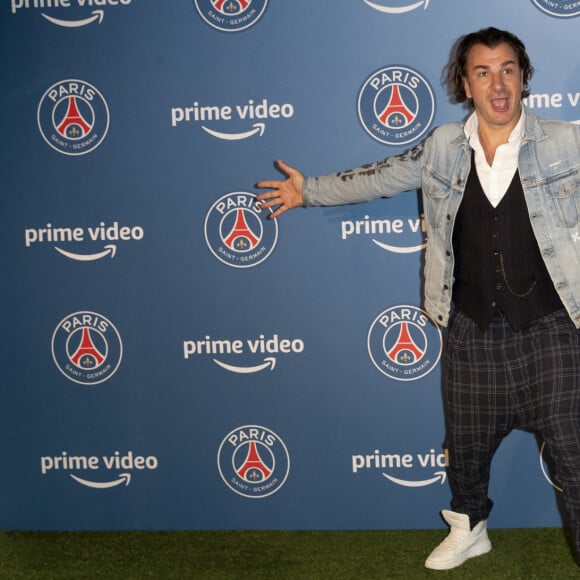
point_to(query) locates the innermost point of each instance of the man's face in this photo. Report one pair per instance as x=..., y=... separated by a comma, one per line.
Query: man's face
x=494, y=81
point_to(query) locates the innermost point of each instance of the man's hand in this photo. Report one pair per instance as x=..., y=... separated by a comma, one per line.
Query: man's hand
x=285, y=194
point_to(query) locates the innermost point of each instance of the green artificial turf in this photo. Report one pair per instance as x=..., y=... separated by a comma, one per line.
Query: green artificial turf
x=541, y=554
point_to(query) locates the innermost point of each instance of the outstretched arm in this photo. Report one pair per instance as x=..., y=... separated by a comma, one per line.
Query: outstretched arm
x=285, y=194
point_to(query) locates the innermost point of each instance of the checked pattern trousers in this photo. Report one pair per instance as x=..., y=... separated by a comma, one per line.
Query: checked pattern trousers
x=499, y=380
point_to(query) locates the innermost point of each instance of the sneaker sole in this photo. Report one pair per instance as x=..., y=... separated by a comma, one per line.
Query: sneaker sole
x=477, y=550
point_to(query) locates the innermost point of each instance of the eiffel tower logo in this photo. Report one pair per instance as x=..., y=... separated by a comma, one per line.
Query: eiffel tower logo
x=396, y=113
x=87, y=356
x=241, y=237
x=74, y=124
x=405, y=350
x=253, y=468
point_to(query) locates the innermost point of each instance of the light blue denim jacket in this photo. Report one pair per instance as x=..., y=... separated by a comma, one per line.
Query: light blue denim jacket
x=549, y=166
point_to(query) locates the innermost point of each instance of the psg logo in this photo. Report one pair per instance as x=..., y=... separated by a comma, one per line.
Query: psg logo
x=231, y=15
x=253, y=461
x=559, y=8
x=396, y=105
x=404, y=343
x=73, y=117
x=86, y=348
x=237, y=232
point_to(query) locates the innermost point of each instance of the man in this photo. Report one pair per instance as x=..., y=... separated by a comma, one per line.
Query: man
x=501, y=195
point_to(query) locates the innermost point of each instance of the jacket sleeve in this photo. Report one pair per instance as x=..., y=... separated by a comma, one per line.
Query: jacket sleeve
x=384, y=178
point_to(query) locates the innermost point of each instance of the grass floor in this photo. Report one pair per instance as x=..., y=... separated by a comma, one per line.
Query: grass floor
x=541, y=554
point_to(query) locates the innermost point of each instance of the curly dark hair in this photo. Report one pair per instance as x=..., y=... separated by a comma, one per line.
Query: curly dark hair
x=490, y=37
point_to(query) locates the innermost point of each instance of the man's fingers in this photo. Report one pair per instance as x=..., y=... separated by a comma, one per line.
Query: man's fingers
x=270, y=202
x=285, y=194
x=268, y=184
x=278, y=212
x=285, y=167
x=288, y=169
x=268, y=195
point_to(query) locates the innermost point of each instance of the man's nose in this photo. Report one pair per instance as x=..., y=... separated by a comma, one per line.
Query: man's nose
x=498, y=80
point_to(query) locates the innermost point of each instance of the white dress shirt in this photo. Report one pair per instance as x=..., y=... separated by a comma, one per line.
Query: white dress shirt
x=495, y=179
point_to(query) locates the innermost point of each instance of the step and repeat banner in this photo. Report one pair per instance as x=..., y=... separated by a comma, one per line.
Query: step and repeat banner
x=170, y=357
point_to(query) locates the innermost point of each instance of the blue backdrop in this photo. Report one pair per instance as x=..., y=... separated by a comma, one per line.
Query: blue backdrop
x=171, y=359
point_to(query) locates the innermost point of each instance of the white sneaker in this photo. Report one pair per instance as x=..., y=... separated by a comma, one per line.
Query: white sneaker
x=461, y=544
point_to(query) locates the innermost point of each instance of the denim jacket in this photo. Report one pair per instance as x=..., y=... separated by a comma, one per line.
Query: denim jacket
x=549, y=167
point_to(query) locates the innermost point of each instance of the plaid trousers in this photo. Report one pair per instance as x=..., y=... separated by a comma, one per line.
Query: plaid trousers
x=499, y=380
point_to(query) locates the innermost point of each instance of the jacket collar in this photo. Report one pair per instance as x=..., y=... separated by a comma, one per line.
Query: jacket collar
x=533, y=130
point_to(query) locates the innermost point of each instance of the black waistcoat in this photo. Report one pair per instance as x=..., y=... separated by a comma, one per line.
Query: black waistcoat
x=497, y=261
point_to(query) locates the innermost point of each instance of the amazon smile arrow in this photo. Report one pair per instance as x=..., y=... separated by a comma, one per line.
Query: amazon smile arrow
x=97, y=15
x=398, y=10
x=268, y=362
x=258, y=128
x=401, y=250
x=109, y=249
x=123, y=478
x=439, y=475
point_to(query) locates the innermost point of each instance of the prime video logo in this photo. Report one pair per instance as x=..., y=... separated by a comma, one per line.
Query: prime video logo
x=380, y=229
x=96, y=16
x=404, y=463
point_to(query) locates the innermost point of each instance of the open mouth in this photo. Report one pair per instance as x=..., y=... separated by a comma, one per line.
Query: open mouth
x=500, y=105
